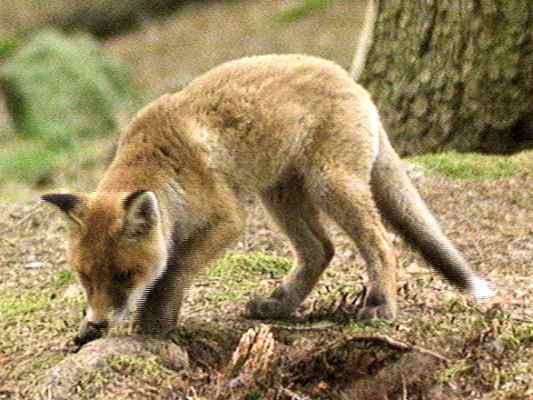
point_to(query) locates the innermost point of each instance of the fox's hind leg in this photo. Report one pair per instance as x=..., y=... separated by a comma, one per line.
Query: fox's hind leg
x=298, y=218
x=346, y=197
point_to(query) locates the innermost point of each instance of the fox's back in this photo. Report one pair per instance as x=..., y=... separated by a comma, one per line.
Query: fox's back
x=255, y=120
x=260, y=117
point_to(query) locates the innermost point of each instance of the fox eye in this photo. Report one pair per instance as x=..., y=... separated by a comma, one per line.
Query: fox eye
x=122, y=277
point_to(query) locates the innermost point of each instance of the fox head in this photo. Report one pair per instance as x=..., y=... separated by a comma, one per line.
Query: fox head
x=117, y=248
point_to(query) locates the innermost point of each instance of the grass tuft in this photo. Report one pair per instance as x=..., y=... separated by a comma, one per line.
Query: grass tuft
x=64, y=278
x=295, y=13
x=21, y=308
x=473, y=166
x=239, y=266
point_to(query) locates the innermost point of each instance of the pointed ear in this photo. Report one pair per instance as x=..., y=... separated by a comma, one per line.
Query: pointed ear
x=142, y=213
x=71, y=204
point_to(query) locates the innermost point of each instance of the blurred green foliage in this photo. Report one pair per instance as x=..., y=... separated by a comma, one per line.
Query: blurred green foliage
x=59, y=88
x=7, y=47
x=60, y=91
x=300, y=11
x=24, y=163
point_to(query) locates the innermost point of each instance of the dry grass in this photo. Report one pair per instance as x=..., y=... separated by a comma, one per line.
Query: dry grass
x=167, y=53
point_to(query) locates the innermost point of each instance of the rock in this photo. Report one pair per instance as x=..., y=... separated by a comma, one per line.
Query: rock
x=35, y=265
x=415, y=268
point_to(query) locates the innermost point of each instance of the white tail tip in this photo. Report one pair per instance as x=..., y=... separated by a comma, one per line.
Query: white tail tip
x=482, y=289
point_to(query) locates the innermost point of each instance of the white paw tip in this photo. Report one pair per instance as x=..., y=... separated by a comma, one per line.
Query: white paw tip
x=482, y=290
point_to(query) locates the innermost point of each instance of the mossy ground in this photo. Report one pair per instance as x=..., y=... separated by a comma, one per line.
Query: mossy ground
x=489, y=345
x=476, y=166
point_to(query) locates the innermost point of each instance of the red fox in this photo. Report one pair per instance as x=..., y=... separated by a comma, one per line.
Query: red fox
x=295, y=130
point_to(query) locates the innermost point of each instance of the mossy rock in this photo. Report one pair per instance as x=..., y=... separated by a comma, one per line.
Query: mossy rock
x=61, y=87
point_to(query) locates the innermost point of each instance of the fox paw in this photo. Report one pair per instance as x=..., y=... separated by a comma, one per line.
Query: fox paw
x=90, y=331
x=267, y=308
x=383, y=311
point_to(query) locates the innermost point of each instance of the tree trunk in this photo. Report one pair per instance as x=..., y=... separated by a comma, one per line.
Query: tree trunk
x=450, y=74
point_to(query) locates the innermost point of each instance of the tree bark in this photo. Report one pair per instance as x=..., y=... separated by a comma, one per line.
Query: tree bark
x=450, y=74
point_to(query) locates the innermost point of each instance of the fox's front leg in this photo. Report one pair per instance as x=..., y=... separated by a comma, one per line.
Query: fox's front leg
x=89, y=331
x=159, y=313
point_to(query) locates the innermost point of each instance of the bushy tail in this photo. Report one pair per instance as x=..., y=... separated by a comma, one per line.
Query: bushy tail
x=400, y=203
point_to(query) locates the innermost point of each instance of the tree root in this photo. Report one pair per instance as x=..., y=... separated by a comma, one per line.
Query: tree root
x=62, y=380
x=365, y=367
x=360, y=367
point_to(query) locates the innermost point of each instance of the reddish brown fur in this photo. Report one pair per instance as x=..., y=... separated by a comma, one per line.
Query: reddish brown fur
x=295, y=130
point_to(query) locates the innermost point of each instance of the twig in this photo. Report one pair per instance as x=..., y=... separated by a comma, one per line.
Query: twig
x=294, y=396
x=398, y=345
x=10, y=242
x=404, y=388
x=304, y=328
x=30, y=213
x=526, y=321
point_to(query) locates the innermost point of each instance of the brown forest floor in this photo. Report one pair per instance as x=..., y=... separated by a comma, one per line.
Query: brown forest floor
x=490, y=345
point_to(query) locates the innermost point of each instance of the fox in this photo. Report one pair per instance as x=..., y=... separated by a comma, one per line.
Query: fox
x=295, y=131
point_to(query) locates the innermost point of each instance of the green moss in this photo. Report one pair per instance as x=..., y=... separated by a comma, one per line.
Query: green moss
x=473, y=166
x=239, y=266
x=19, y=307
x=303, y=10
x=64, y=278
x=371, y=327
x=133, y=364
x=7, y=47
